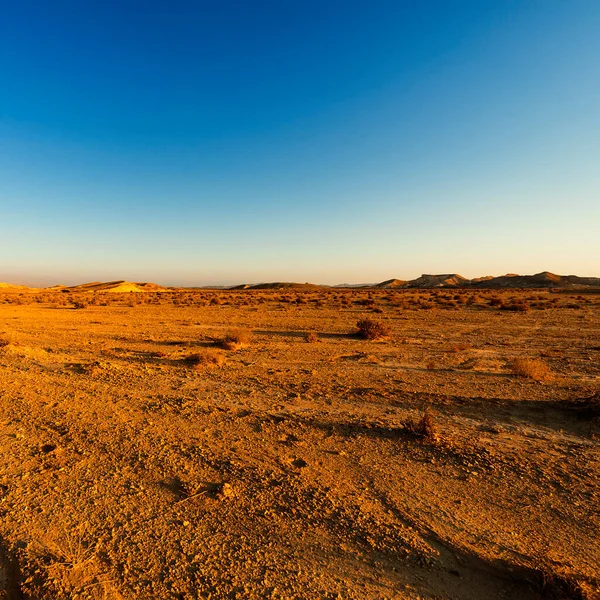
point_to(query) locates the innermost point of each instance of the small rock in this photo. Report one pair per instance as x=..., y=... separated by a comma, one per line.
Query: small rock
x=226, y=491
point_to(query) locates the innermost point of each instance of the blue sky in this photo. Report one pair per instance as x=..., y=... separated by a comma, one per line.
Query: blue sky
x=223, y=142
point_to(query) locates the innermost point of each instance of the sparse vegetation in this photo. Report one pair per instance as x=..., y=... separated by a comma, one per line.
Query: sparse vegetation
x=235, y=339
x=81, y=303
x=516, y=306
x=372, y=329
x=533, y=368
x=133, y=418
x=207, y=358
x=425, y=427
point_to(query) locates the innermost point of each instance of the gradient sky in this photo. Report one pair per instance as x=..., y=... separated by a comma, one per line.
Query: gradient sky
x=193, y=143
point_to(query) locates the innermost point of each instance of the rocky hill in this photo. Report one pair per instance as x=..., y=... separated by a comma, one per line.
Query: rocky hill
x=392, y=283
x=120, y=286
x=545, y=279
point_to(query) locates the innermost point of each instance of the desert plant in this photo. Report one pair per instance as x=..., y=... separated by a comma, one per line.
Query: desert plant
x=516, y=306
x=372, y=329
x=533, y=368
x=460, y=347
x=425, y=427
x=206, y=358
x=235, y=339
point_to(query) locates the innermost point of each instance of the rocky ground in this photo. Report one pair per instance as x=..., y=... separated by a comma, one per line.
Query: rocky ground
x=285, y=468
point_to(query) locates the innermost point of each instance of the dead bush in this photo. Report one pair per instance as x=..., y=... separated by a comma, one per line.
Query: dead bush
x=206, y=358
x=312, y=337
x=236, y=339
x=533, y=368
x=372, y=329
x=460, y=347
x=425, y=427
x=516, y=307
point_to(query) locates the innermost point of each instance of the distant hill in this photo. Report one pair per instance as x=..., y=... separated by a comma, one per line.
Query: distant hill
x=120, y=286
x=544, y=279
x=282, y=285
x=9, y=287
x=434, y=281
x=391, y=283
x=511, y=280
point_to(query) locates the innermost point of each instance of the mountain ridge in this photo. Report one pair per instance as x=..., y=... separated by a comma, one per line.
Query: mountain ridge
x=542, y=280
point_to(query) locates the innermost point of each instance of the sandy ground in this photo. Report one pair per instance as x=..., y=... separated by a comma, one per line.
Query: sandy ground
x=297, y=469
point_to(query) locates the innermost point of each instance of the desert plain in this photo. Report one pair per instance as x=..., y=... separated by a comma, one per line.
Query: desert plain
x=184, y=444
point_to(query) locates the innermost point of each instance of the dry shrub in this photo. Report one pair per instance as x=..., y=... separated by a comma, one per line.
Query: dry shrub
x=562, y=586
x=460, y=347
x=516, y=307
x=431, y=366
x=206, y=358
x=4, y=342
x=533, y=368
x=236, y=339
x=425, y=427
x=312, y=337
x=372, y=329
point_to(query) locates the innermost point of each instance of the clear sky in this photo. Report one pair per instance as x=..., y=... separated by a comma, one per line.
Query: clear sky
x=204, y=142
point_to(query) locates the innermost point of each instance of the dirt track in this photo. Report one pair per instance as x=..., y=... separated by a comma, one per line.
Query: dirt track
x=289, y=471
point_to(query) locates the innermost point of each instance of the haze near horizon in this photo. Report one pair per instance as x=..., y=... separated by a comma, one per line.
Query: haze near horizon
x=193, y=144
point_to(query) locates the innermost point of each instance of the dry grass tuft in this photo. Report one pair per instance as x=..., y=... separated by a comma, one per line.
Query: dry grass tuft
x=372, y=329
x=516, y=306
x=460, y=347
x=206, y=358
x=71, y=567
x=425, y=427
x=235, y=339
x=533, y=368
